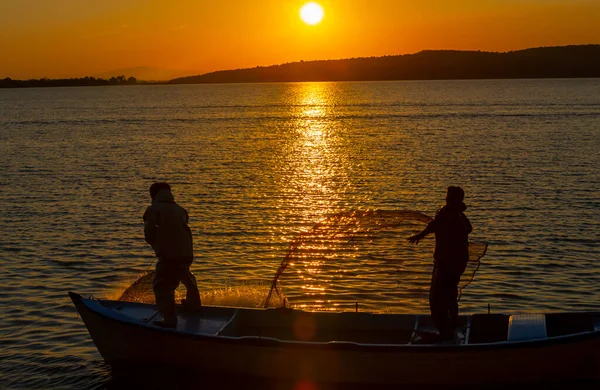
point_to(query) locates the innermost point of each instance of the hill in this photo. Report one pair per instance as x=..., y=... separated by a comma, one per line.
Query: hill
x=542, y=62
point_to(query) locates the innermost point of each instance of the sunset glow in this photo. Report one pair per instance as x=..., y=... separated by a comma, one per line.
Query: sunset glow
x=73, y=38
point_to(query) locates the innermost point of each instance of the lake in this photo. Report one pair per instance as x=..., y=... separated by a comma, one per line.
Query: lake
x=256, y=165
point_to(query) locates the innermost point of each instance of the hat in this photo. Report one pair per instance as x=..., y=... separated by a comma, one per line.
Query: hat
x=455, y=195
x=154, y=188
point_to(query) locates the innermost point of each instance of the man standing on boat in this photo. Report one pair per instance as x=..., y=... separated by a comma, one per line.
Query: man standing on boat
x=166, y=230
x=451, y=227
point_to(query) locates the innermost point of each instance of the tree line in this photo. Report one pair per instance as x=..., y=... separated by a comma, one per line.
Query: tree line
x=73, y=82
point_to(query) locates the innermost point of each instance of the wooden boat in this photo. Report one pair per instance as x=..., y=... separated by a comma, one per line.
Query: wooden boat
x=349, y=347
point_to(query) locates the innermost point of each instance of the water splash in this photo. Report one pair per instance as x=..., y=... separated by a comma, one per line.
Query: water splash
x=141, y=291
x=236, y=295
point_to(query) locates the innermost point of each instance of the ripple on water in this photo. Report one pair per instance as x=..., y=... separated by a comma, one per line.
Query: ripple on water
x=255, y=165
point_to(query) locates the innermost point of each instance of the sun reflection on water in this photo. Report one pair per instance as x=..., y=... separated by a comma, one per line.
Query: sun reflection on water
x=317, y=172
x=320, y=167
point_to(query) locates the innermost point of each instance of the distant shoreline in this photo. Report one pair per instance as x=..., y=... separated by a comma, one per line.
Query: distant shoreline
x=576, y=61
x=167, y=83
x=73, y=82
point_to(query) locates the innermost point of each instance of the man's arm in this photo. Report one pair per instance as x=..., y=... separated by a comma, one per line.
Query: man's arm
x=418, y=237
x=150, y=228
x=430, y=228
x=467, y=224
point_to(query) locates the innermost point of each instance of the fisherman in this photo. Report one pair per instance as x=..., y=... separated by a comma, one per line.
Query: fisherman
x=451, y=227
x=166, y=230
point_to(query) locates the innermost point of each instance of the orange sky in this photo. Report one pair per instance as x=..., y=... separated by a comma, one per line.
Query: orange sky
x=74, y=38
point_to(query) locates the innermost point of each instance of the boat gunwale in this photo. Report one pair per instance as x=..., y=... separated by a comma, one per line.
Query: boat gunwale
x=259, y=341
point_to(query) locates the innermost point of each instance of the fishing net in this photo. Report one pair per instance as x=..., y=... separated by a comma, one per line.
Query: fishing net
x=355, y=256
x=141, y=290
x=238, y=294
x=367, y=249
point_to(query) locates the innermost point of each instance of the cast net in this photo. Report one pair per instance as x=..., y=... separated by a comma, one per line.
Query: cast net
x=362, y=256
x=234, y=294
x=350, y=258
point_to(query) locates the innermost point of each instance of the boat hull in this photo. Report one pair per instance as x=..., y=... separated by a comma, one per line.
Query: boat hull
x=565, y=358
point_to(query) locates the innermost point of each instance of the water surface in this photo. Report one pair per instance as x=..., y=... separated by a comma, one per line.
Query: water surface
x=257, y=164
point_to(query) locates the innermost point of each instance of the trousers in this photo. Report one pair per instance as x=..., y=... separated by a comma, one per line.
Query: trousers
x=170, y=271
x=443, y=296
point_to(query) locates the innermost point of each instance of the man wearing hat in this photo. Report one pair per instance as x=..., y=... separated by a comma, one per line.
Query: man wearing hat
x=451, y=228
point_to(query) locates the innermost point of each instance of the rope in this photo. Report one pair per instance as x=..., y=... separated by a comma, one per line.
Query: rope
x=460, y=290
x=151, y=264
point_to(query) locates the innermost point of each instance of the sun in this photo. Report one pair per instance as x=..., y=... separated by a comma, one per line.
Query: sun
x=311, y=13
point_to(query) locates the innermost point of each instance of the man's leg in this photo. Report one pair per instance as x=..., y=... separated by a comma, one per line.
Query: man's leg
x=436, y=300
x=449, y=292
x=192, y=295
x=452, y=294
x=164, y=285
x=442, y=298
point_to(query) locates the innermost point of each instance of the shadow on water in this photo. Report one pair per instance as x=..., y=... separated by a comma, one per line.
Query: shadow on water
x=138, y=377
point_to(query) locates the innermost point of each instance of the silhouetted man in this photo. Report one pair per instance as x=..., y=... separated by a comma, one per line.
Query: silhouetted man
x=451, y=227
x=166, y=230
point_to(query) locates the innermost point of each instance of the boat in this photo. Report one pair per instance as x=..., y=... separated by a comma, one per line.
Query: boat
x=349, y=347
